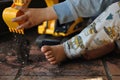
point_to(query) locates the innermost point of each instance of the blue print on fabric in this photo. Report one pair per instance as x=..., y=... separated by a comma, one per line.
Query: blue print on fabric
x=110, y=17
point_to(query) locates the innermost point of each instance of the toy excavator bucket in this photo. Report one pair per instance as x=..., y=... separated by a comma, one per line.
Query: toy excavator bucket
x=11, y=12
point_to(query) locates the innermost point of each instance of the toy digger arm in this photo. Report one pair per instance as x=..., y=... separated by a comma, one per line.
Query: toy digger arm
x=8, y=14
x=51, y=2
x=21, y=3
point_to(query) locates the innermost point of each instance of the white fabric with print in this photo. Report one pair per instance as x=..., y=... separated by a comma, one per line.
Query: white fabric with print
x=104, y=29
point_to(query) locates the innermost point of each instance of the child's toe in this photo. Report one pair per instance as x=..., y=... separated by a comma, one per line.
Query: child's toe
x=45, y=48
x=50, y=56
x=51, y=59
x=48, y=53
x=53, y=62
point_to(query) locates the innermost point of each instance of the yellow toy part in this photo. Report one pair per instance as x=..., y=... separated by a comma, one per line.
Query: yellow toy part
x=73, y=29
x=48, y=27
x=11, y=12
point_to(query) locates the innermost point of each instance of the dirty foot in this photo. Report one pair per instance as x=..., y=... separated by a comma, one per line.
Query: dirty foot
x=54, y=54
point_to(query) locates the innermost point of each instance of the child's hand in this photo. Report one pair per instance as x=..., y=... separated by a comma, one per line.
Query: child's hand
x=31, y=17
x=34, y=16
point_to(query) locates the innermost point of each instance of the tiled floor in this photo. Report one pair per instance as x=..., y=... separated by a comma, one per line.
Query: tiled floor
x=106, y=68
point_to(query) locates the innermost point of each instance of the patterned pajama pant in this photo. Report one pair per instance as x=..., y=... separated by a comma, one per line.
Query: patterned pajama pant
x=104, y=29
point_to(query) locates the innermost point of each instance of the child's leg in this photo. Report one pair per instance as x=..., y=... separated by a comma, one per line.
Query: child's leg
x=101, y=33
x=105, y=29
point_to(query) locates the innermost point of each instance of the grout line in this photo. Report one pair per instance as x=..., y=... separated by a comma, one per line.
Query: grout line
x=109, y=76
x=18, y=74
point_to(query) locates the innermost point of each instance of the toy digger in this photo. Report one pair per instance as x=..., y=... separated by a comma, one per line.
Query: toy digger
x=21, y=44
x=55, y=33
x=48, y=28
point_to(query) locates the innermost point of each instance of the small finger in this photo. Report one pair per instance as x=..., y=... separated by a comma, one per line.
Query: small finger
x=24, y=25
x=20, y=18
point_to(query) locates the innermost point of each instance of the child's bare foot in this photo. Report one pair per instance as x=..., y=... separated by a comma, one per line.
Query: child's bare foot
x=54, y=54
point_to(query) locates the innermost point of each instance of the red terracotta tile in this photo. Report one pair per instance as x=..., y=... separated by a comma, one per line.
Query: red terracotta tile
x=7, y=77
x=7, y=70
x=116, y=78
x=113, y=63
x=2, y=57
x=114, y=69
